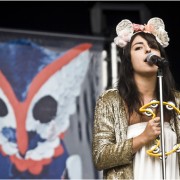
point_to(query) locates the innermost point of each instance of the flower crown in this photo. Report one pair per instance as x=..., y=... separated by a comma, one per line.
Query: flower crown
x=126, y=29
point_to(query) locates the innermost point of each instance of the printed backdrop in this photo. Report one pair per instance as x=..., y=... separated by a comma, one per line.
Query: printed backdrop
x=47, y=101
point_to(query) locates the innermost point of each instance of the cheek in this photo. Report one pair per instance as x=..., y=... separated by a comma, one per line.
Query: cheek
x=135, y=62
x=135, y=66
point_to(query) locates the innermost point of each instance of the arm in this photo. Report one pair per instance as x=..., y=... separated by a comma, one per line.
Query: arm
x=107, y=152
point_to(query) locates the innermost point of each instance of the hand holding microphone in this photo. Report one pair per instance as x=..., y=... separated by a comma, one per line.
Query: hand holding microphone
x=156, y=60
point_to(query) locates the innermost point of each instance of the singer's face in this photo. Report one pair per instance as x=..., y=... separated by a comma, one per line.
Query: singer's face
x=139, y=51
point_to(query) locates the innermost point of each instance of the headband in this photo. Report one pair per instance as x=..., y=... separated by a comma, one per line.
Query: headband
x=126, y=29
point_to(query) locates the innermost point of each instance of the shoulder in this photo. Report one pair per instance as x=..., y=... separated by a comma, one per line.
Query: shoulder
x=110, y=95
x=109, y=92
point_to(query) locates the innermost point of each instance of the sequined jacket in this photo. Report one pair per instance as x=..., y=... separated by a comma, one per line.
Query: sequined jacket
x=111, y=150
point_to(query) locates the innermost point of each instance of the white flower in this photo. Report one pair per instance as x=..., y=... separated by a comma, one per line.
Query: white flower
x=119, y=42
x=155, y=26
x=162, y=37
x=123, y=38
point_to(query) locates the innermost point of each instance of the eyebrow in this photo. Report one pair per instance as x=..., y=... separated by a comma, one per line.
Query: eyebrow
x=137, y=43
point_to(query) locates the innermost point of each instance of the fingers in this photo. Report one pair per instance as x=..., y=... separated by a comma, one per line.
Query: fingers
x=152, y=130
x=155, y=122
x=156, y=119
x=156, y=127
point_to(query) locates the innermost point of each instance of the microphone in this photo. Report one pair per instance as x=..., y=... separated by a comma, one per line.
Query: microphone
x=156, y=60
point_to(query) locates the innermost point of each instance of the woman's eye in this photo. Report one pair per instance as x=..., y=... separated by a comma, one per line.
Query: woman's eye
x=138, y=48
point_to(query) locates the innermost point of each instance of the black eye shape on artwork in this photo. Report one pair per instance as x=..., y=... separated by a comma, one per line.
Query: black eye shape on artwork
x=45, y=109
x=3, y=108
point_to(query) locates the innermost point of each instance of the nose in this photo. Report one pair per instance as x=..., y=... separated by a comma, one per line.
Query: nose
x=148, y=49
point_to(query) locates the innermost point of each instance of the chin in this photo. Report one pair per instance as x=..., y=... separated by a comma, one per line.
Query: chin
x=150, y=73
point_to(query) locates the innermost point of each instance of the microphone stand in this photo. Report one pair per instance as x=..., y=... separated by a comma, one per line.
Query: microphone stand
x=162, y=148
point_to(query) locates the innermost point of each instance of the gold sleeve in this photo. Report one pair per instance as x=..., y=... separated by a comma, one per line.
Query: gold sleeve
x=106, y=150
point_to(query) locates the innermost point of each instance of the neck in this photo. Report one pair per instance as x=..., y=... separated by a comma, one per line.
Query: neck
x=146, y=87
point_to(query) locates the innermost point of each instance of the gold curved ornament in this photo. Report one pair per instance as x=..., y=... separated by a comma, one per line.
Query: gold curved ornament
x=147, y=110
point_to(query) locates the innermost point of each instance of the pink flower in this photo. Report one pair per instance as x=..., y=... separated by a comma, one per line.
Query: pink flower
x=125, y=30
x=149, y=28
x=138, y=27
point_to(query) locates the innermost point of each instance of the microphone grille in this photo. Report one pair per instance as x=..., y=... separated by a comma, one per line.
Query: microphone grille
x=149, y=56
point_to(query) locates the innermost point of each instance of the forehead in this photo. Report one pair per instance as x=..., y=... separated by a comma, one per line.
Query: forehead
x=138, y=38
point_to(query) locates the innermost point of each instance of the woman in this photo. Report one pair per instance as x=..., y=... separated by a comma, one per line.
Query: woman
x=122, y=134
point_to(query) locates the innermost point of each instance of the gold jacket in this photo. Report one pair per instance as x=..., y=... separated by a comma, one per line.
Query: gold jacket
x=111, y=150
